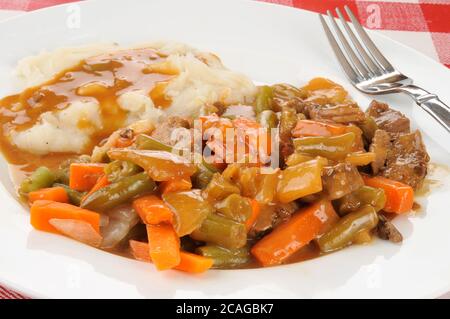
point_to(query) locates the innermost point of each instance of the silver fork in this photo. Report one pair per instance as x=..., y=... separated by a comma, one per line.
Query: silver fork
x=371, y=73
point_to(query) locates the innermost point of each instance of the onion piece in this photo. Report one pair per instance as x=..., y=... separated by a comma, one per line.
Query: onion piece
x=121, y=220
x=77, y=229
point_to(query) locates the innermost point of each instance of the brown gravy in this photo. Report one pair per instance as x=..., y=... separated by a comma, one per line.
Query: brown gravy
x=100, y=79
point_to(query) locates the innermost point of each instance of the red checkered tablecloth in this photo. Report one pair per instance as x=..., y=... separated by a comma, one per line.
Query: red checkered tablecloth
x=421, y=24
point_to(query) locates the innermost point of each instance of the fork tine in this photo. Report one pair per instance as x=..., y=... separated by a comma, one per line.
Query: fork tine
x=350, y=53
x=348, y=69
x=365, y=58
x=371, y=47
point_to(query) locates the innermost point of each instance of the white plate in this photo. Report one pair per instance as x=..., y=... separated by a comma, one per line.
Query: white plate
x=271, y=44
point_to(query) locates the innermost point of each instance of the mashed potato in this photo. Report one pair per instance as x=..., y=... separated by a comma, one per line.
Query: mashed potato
x=201, y=80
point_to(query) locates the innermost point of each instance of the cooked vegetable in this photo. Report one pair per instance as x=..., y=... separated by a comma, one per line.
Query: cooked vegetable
x=399, y=196
x=121, y=221
x=77, y=229
x=159, y=165
x=369, y=126
x=193, y=263
x=235, y=207
x=176, y=185
x=56, y=194
x=343, y=233
x=297, y=158
x=62, y=174
x=102, y=181
x=334, y=147
x=315, y=128
x=75, y=197
x=152, y=210
x=256, y=210
x=307, y=224
x=116, y=170
x=225, y=258
x=300, y=180
x=43, y=210
x=263, y=99
x=360, y=158
x=221, y=231
x=83, y=176
x=203, y=175
x=119, y=192
x=164, y=245
x=219, y=188
x=268, y=119
x=189, y=210
x=364, y=195
x=188, y=262
x=146, y=142
x=41, y=178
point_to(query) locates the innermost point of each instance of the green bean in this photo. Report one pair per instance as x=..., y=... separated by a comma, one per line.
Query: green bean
x=219, y=188
x=75, y=197
x=221, y=231
x=116, y=170
x=343, y=233
x=364, y=195
x=119, y=192
x=334, y=147
x=263, y=99
x=235, y=207
x=41, y=178
x=268, y=119
x=225, y=258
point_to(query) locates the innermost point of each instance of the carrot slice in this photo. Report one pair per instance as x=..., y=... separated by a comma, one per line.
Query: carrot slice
x=399, y=196
x=83, y=176
x=307, y=224
x=152, y=210
x=256, y=209
x=57, y=194
x=193, y=263
x=122, y=142
x=189, y=262
x=43, y=210
x=176, y=185
x=140, y=250
x=101, y=182
x=314, y=128
x=164, y=246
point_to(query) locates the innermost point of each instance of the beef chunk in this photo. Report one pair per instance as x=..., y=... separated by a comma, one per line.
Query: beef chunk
x=387, y=231
x=163, y=131
x=407, y=159
x=271, y=216
x=387, y=119
x=340, y=180
x=381, y=142
x=341, y=113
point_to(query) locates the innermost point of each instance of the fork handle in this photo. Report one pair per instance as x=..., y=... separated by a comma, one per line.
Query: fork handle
x=430, y=103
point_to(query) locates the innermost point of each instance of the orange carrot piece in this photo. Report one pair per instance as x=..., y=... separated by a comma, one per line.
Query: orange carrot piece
x=56, y=194
x=43, y=210
x=189, y=262
x=152, y=210
x=140, y=250
x=399, y=196
x=256, y=209
x=83, y=176
x=307, y=224
x=101, y=182
x=176, y=185
x=193, y=263
x=164, y=245
x=314, y=128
